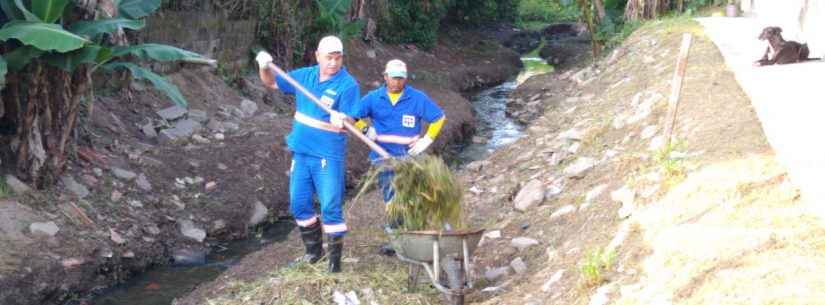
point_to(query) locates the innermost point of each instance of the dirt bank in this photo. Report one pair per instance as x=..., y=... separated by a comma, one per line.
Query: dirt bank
x=130, y=199
x=592, y=207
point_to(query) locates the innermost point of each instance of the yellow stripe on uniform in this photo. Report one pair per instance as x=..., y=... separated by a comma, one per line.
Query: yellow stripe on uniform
x=435, y=127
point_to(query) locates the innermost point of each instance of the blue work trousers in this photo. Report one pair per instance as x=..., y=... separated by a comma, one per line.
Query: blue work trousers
x=311, y=175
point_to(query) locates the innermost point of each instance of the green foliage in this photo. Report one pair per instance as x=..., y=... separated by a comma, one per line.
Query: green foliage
x=137, y=8
x=27, y=14
x=158, y=81
x=332, y=19
x=594, y=265
x=158, y=52
x=479, y=12
x=5, y=191
x=412, y=22
x=69, y=61
x=546, y=11
x=20, y=57
x=10, y=10
x=43, y=36
x=693, y=6
x=3, y=69
x=613, y=30
x=93, y=29
x=49, y=11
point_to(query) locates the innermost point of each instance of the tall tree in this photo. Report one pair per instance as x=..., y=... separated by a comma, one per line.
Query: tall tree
x=586, y=8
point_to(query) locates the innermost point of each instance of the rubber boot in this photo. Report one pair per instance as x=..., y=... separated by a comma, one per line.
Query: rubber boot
x=335, y=246
x=312, y=237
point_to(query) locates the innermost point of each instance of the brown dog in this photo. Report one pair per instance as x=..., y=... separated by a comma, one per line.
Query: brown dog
x=781, y=51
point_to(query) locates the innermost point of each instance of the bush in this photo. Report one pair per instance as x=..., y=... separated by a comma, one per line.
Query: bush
x=546, y=11
x=412, y=22
x=479, y=12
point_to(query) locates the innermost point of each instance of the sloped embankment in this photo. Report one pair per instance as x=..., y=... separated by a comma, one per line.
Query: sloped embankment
x=592, y=208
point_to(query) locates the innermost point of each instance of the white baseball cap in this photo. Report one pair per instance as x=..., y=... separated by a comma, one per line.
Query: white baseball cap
x=396, y=68
x=330, y=44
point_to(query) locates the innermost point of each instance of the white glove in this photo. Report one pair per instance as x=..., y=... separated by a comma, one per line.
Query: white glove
x=263, y=59
x=420, y=145
x=337, y=119
x=371, y=134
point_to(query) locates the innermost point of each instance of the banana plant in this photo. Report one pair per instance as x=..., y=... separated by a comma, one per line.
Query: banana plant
x=41, y=37
x=47, y=60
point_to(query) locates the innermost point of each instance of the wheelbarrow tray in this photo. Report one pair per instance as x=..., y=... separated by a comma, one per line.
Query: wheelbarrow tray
x=418, y=245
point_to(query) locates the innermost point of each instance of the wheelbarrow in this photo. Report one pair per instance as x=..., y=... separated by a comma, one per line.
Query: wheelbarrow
x=434, y=250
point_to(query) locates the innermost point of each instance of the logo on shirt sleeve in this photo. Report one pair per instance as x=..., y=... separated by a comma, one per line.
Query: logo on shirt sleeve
x=408, y=121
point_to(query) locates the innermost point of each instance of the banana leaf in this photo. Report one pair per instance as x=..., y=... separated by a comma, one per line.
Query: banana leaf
x=136, y=9
x=44, y=36
x=69, y=61
x=49, y=10
x=26, y=13
x=11, y=10
x=18, y=58
x=93, y=29
x=158, y=81
x=3, y=69
x=160, y=52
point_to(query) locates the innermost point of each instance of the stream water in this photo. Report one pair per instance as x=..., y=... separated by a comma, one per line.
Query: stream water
x=160, y=286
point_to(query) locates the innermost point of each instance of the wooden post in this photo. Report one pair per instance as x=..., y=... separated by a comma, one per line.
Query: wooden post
x=676, y=86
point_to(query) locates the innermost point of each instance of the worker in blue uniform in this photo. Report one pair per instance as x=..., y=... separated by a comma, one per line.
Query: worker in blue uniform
x=397, y=112
x=318, y=144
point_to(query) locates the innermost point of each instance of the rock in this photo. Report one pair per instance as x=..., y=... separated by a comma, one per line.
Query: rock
x=188, y=229
x=215, y=125
x=522, y=243
x=218, y=225
x=210, y=186
x=135, y=203
x=199, y=116
x=230, y=126
x=76, y=188
x=595, y=192
x=649, y=131
x=259, y=213
x=123, y=174
x=151, y=229
x=17, y=186
x=49, y=229
x=477, y=165
x=657, y=143
x=116, y=237
x=248, y=108
x=579, y=167
x=172, y=113
x=128, y=254
x=553, y=279
x=570, y=134
x=552, y=191
x=200, y=139
x=181, y=130
x=88, y=180
x=475, y=190
x=530, y=195
x=626, y=196
x=349, y=298
x=492, y=274
x=601, y=298
x=197, y=180
x=149, y=130
x=222, y=166
x=70, y=263
x=574, y=148
x=97, y=171
x=188, y=257
x=219, y=136
x=563, y=211
x=371, y=54
x=116, y=196
x=518, y=265
x=495, y=234
x=143, y=183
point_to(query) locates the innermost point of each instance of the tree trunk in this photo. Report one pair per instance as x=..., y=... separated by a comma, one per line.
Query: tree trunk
x=645, y=9
x=586, y=7
x=600, y=12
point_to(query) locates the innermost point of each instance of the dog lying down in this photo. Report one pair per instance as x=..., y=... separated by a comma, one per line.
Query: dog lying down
x=781, y=51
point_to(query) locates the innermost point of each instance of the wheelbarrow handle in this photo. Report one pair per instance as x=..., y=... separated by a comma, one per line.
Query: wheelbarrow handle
x=374, y=146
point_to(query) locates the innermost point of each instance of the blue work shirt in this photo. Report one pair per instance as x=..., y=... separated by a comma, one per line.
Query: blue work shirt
x=403, y=120
x=340, y=92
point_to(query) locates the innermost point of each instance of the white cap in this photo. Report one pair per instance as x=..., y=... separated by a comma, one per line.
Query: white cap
x=396, y=68
x=330, y=44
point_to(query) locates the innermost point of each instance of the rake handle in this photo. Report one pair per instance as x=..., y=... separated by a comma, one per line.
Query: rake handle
x=374, y=146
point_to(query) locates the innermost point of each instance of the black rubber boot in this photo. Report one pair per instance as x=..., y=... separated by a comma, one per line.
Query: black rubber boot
x=313, y=243
x=335, y=246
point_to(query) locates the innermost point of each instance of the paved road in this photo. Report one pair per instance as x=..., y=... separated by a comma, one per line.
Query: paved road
x=789, y=100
